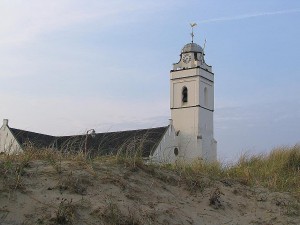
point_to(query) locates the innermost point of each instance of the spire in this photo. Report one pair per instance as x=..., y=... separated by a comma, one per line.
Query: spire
x=192, y=34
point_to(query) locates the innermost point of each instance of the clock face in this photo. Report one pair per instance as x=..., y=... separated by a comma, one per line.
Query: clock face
x=186, y=58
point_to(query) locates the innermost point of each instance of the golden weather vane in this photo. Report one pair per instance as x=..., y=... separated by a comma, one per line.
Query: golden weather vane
x=192, y=34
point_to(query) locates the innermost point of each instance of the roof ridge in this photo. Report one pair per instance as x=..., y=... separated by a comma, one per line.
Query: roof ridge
x=112, y=132
x=58, y=136
x=15, y=129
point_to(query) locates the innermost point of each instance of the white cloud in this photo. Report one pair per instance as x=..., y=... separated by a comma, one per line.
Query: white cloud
x=256, y=127
x=26, y=20
x=69, y=115
x=24, y=24
x=247, y=16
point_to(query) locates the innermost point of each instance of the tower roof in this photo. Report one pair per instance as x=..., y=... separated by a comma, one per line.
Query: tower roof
x=192, y=47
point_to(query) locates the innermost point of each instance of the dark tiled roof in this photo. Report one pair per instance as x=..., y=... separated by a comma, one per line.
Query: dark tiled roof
x=143, y=141
x=27, y=137
x=129, y=142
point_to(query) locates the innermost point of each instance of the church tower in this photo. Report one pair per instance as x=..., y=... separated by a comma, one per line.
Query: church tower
x=192, y=104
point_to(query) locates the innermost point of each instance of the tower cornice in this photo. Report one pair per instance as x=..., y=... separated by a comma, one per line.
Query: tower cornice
x=192, y=72
x=193, y=106
x=192, y=77
x=197, y=67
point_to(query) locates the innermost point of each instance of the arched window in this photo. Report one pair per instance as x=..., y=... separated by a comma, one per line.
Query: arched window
x=184, y=94
x=205, y=97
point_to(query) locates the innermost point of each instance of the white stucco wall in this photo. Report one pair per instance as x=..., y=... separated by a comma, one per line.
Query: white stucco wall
x=184, y=122
x=194, y=119
x=164, y=153
x=8, y=143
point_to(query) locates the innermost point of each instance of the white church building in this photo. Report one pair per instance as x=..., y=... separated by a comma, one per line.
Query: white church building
x=189, y=135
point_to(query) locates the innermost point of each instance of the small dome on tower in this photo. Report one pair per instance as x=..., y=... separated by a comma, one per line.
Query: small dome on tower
x=192, y=47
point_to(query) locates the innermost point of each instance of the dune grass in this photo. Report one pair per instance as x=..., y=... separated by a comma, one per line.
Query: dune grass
x=278, y=171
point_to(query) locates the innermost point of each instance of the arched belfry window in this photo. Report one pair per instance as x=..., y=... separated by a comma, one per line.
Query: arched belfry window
x=205, y=97
x=184, y=94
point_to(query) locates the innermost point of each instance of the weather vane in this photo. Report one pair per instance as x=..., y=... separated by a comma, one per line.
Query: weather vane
x=192, y=34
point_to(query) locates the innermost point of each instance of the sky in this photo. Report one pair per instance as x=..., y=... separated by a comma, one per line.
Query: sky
x=67, y=66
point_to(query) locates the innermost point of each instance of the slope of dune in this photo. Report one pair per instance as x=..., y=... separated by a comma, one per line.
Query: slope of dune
x=106, y=192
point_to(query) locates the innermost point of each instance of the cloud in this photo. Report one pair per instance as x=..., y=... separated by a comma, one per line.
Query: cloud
x=256, y=127
x=34, y=34
x=247, y=16
x=23, y=21
x=74, y=115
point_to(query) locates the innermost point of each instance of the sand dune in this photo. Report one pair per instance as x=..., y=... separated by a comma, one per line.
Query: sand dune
x=105, y=192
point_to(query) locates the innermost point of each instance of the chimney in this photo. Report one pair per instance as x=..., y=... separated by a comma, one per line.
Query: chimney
x=5, y=122
x=170, y=122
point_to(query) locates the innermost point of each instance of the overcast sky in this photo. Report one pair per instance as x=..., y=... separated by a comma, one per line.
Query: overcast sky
x=71, y=65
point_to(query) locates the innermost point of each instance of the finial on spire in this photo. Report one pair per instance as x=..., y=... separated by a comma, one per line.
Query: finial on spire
x=204, y=45
x=192, y=34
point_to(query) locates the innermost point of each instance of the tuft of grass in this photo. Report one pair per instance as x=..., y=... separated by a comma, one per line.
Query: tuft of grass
x=12, y=169
x=66, y=213
x=130, y=153
x=112, y=215
x=292, y=209
x=74, y=184
x=215, y=199
x=198, y=175
x=278, y=171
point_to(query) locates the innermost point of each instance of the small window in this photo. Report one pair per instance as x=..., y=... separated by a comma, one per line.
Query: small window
x=176, y=151
x=205, y=97
x=184, y=94
x=196, y=56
